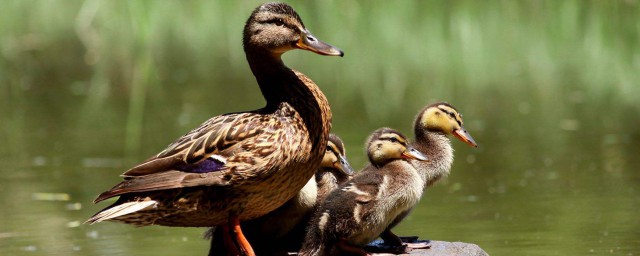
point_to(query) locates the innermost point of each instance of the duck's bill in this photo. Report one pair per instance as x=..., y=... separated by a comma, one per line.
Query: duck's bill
x=344, y=166
x=310, y=43
x=464, y=136
x=412, y=153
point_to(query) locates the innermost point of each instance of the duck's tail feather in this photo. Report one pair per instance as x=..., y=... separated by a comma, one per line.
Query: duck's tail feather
x=116, y=211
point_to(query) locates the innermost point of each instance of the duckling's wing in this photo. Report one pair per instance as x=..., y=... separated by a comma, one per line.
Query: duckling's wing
x=366, y=187
x=227, y=148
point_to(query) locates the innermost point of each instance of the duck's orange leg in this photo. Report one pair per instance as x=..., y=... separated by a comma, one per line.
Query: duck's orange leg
x=243, y=244
x=229, y=247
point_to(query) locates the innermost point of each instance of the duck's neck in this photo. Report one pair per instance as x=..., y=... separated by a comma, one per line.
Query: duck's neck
x=437, y=147
x=279, y=84
x=271, y=73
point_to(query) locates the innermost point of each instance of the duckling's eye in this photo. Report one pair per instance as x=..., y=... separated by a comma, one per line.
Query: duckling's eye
x=278, y=22
x=452, y=115
x=394, y=140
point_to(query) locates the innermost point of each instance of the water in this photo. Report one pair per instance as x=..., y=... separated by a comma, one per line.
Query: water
x=549, y=90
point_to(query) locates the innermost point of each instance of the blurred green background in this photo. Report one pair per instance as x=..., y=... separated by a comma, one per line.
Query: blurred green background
x=549, y=89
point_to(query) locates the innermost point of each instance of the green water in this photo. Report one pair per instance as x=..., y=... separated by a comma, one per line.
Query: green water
x=550, y=90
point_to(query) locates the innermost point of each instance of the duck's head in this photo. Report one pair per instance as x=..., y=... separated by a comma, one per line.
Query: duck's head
x=386, y=144
x=277, y=28
x=335, y=158
x=444, y=118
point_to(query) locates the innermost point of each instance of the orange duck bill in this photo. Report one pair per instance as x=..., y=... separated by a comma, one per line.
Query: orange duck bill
x=309, y=42
x=464, y=136
x=412, y=153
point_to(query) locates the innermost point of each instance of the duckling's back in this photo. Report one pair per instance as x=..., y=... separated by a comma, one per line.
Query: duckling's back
x=360, y=210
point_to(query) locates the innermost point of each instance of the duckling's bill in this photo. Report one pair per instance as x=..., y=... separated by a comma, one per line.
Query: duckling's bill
x=464, y=136
x=344, y=166
x=309, y=42
x=412, y=153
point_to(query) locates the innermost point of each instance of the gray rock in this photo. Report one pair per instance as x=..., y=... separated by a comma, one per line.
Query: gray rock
x=435, y=248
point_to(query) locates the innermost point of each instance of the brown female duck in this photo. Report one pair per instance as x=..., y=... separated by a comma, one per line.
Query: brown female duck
x=363, y=208
x=237, y=166
x=283, y=229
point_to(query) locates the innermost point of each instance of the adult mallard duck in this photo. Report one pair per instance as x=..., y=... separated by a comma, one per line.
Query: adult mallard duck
x=283, y=229
x=237, y=166
x=365, y=207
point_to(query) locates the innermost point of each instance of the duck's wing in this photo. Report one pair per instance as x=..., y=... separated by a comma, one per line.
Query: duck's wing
x=366, y=187
x=224, y=149
x=216, y=138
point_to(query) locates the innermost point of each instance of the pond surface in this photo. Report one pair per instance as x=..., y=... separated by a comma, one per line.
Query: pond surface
x=550, y=91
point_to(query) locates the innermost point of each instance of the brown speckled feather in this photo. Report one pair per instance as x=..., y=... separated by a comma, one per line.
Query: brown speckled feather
x=246, y=140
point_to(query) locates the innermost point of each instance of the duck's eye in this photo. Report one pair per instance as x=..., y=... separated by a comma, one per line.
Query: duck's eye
x=278, y=22
x=394, y=140
x=452, y=115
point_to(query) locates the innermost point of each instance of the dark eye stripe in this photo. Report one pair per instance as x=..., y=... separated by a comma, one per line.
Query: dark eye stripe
x=451, y=114
x=331, y=147
x=394, y=139
x=275, y=21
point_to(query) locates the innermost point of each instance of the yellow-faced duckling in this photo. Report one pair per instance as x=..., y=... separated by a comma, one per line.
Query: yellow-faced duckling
x=363, y=208
x=238, y=166
x=334, y=170
x=431, y=127
x=283, y=229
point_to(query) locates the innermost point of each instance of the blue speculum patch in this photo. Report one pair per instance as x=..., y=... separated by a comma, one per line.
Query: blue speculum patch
x=204, y=166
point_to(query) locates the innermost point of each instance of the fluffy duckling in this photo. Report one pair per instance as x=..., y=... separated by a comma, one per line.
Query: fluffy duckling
x=334, y=170
x=363, y=208
x=237, y=166
x=431, y=127
x=283, y=229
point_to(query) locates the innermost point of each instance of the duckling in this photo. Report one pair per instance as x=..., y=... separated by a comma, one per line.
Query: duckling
x=237, y=166
x=283, y=229
x=363, y=208
x=334, y=170
x=431, y=127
